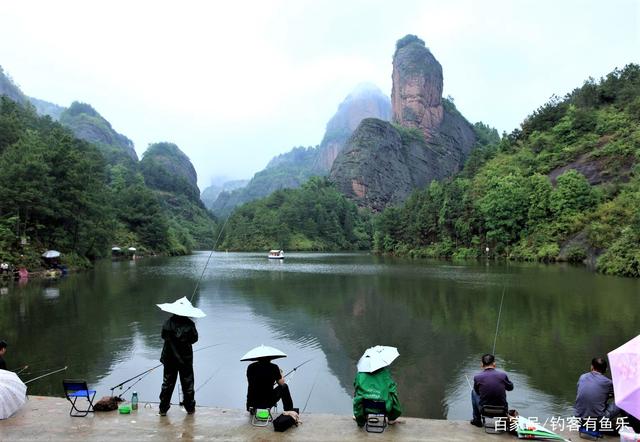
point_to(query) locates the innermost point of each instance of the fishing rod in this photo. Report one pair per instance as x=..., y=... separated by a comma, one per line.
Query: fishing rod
x=495, y=338
x=47, y=374
x=295, y=368
x=146, y=372
x=21, y=370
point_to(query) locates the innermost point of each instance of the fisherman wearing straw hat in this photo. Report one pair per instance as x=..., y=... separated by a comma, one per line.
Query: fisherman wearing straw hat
x=179, y=334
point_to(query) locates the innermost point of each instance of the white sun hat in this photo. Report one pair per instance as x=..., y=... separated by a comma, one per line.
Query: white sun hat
x=182, y=307
x=374, y=358
x=263, y=352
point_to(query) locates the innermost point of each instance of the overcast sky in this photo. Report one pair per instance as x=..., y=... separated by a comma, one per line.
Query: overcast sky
x=235, y=83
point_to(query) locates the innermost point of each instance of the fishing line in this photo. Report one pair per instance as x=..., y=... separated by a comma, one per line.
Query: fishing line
x=195, y=289
x=311, y=391
x=47, y=374
x=208, y=379
x=498, y=322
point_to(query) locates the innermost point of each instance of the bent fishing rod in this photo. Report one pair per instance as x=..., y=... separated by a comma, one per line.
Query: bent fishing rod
x=295, y=368
x=46, y=374
x=146, y=372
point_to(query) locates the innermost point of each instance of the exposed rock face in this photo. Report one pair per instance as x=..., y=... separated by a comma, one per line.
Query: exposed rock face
x=382, y=164
x=87, y=124
x=416, y=94
x=366, y=101
x=165, y=167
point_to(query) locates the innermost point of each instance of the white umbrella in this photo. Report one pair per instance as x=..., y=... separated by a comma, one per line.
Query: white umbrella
x=115, y=249
x=182, y=307
x=374, y=358
x=51, y=254
x=13, y=393
x=132, y=249
x=263, y=352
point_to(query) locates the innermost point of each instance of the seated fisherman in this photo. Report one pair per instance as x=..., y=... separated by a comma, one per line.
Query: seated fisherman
x=489, y=388
x=594, y=392
x=262, y=375
x=378, y=386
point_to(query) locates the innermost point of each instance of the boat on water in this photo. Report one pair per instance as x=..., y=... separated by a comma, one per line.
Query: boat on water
x=276, y=254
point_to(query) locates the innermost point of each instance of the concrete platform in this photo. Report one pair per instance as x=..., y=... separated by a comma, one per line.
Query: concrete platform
x=47, y=419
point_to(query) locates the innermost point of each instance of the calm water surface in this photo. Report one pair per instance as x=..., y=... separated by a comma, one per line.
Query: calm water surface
x=329, y=308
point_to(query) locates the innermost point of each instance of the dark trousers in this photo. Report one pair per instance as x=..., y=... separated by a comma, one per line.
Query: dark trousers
x=281, y=392
x=169, y=382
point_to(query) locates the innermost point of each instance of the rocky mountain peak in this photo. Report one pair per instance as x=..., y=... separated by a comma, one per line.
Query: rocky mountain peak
x=416, y=94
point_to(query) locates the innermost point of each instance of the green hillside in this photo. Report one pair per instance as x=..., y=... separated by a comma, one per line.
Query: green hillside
x=60, y=192
x=565, y=186
x=313, y=217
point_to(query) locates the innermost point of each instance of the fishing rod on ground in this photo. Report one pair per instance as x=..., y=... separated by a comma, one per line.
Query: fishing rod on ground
x=47, y=374
x=141, y=376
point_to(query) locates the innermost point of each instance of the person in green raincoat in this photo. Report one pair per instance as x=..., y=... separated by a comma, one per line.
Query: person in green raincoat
x=375, y=385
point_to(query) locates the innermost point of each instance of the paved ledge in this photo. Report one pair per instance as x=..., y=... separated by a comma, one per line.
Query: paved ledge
x=47, y=419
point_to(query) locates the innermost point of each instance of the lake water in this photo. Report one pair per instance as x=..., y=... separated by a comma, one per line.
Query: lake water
x=329, y=308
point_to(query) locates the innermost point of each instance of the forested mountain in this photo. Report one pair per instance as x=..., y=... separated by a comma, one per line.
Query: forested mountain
x=313, y=217
x=80, y=197
x=565, y=186
x=169, y=172
x=87, y=124
x=291, y=169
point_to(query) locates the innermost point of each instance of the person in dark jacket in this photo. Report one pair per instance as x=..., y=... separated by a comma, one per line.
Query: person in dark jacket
x=262, y=375
x=179, y=333
x=3, y=350
x=489, y=388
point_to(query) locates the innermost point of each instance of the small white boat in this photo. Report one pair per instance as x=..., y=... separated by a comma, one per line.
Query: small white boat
x=275, y=254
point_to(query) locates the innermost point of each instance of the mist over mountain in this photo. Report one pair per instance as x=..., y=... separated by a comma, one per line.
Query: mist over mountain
x=290, y=170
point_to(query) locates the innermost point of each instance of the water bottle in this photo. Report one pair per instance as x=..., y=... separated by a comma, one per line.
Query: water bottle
x=134, y=401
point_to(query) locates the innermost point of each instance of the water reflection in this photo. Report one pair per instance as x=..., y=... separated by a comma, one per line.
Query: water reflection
x=328, y=307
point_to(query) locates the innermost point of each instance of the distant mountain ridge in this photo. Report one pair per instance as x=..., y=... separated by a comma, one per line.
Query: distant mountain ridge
x=292, y=169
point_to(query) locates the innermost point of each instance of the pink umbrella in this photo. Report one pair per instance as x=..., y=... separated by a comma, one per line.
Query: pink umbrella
x=625, y=371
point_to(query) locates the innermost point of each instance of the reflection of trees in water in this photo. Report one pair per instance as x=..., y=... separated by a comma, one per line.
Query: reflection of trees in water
x=88, y=326
x=554, y=320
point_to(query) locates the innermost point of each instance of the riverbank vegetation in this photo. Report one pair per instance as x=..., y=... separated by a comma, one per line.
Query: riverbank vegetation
x=313, y=217
x=59, y=192
x=565, y=186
